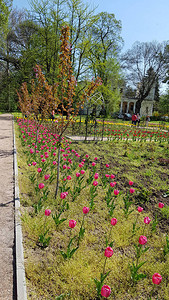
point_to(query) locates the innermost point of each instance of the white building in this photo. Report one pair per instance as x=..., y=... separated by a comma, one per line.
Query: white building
x=128, y=105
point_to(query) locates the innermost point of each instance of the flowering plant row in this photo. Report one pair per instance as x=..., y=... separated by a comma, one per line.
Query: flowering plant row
x=80, y=175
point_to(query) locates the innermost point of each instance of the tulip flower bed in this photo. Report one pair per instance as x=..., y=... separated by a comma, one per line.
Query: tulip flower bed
x=105, y=234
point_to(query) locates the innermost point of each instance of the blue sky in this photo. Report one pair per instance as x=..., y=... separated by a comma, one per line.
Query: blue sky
x=142, y=20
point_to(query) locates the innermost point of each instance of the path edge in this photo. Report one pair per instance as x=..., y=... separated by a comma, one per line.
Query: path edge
x=19, y=256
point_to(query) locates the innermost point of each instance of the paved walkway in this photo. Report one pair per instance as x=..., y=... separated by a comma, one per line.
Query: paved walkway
x=7, y=266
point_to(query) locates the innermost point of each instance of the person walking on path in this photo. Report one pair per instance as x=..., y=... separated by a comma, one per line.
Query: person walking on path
x=7, y=286
x=134, y=118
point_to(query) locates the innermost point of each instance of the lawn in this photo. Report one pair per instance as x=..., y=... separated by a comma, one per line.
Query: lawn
x=65, y=260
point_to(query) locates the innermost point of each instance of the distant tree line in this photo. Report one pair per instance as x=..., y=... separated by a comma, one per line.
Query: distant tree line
x=33, y=37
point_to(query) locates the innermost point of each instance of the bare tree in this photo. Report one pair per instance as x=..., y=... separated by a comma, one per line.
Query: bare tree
x=144, y=64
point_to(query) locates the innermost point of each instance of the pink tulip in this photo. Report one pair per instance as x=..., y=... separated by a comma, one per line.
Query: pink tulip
x=96, y=176
x=46, y=176
x=112, y=176
x=54, y=153
x=95, y=158
x=113, y=221
x=142, y=240
x=64, y=167
x=43, y=160
x=39, y=170
x=132, y=191
x=63, y=195
x=156, y=278
x=29, y=165
x=80, y=165
x=116, y=192
x=77, y=174
x=108, y=252
x=107, y=175
x=130, y=182
x=41, y=186
x=31, y=150
x=54, y=162
x=82, y=172
x=112, y=184
x=95, y=183
x=72, y=223
x=34, y=163
x=87, y=156
x=93, y=164
x=85, y=210
x=47, y=212
x=107, y=165
x=147, y=220
x=160, y=205
x=105, y=291
x=140, y=209
x=69, y=177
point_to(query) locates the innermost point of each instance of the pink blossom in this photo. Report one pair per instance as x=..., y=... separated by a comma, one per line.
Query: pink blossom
x=140, y=209
x=105, y=291
x=85, y=210
x=96, y=176
x=156, y=278
x=63, y=195
x=43, y=160
x=107, y=165
x=95, y=183
x=47, y=212
x=54, y=162
x=31, y=150
x=46, y=176
x=41, y=156
x=132, y=191
x=72, y=223
x=64, y=167
x=107, y=175
x=160, y=205
x=108, y=252
x=80, y=165
x=82, y=172
x=142, y=240
x=87, y=156
x=93, y=164
x=29, y=165
x=69, y=177
x=113, y=221
x=77, y=174
x=147, y=220
x=39, y=170
x=41, y=186
x=34, y=163
x=112, y=176
x=95, y=158
x=130, y=182
x=112, y=184
x=116, y=192
x=68, y=167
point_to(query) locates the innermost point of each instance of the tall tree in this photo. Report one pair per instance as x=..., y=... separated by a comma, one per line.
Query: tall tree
x=144, y=64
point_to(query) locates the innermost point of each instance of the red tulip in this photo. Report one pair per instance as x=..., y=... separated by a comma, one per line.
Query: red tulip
x=156, y=278
x=130, y=182
x=85, y=210
x=41, y=186
x=47, y=212
x=160, y=205
x=95, y=183
x=147, y=220
x=142, y=240
x=140, y=209
x=132, y=191
x=108, y=252
x=105, y=291
x=116, y=192
x=113, y=221
x=72, y=223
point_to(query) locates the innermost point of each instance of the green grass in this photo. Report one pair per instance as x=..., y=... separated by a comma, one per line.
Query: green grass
x=49, y=275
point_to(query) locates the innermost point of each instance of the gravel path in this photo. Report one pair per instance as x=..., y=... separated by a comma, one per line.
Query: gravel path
x=7, y=265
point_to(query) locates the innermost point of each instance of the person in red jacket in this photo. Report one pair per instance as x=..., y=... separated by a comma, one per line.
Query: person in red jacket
x=134, y=119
